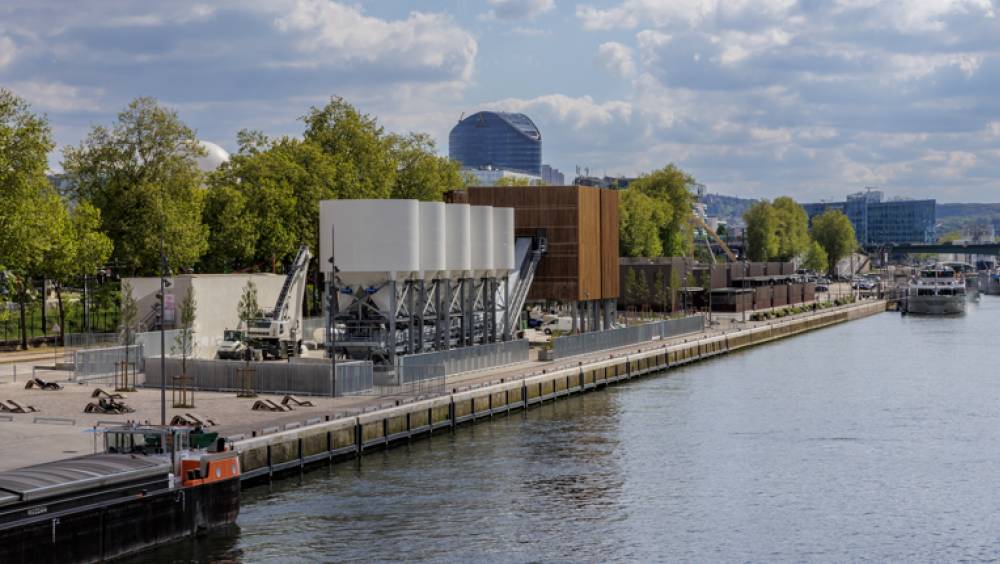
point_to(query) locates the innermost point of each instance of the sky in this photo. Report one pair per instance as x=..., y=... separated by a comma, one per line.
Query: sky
x=812, y=99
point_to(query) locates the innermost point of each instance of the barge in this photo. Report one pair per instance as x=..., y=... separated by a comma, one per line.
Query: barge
x=149, y=486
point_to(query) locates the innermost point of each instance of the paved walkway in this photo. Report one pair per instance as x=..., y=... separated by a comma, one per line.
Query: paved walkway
x=24, y=442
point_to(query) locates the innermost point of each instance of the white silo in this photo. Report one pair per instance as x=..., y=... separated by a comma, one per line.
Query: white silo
x=458, y=259
x=433, y=240
x=503, y=241
x=377, y=241
x=482, y=241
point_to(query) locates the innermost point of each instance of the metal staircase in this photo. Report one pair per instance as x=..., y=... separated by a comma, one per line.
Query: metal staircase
x=526, y=275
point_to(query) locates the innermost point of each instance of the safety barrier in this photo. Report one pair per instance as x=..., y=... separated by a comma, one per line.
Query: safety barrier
x=614, y=338
x=306, y=378
x=271, y=450
x=99, y=365
x=467, y=359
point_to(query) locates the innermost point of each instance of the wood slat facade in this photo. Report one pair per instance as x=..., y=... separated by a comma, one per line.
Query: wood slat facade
x=581, y=225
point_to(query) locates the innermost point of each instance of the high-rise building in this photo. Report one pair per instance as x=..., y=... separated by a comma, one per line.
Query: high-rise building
x=878, y=222
x=497, y=140
x=552, y=176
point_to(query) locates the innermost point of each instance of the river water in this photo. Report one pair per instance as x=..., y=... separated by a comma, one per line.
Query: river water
x=874, y=440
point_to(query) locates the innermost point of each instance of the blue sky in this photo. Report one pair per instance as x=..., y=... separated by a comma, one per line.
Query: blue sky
x=814, y=99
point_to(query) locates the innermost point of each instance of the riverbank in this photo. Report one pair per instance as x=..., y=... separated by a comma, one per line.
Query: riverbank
x=264, y=456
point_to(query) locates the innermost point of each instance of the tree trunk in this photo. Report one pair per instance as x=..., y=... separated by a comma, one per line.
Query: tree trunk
x=62, y=315
x=24, y=319
x=45, y=330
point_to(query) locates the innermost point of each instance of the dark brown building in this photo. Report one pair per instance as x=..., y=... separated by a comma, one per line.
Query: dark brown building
x=581, y=225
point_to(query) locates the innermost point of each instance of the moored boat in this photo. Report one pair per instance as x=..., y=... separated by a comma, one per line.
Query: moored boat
x=938, y=290
x=149, y=486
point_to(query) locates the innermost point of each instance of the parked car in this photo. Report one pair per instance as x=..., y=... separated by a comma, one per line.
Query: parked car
x=822, y=288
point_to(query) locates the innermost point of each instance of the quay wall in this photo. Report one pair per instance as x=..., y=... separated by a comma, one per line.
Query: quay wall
x=263, y=456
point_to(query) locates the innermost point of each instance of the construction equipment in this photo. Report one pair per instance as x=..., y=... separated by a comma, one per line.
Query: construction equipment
x=236, y=346
x=278, y=333
x=700, y=223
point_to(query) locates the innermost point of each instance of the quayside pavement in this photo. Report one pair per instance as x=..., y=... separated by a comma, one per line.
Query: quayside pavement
x=59, y=429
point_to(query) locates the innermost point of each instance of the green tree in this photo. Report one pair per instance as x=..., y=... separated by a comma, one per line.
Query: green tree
x=671, y=188
x=128, y=318
x=357, y=143
x=834, y=232
x=638, y=225
x=761, y=231
x=675, y=288
x=264, y=202
x=26, y=226
x=184, y=341
x=141, y=173
x=631, y=285
x=77, y=247
x=516, y=181
x=421, y=174
x=659, y=291
x=815, y=259
x=792, y=228
x=248, y=309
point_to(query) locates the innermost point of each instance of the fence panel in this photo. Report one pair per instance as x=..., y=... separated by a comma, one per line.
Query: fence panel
x=614, y=338
x=99, y=364
x=150, y=341
x=466, y=359
x=306, y=378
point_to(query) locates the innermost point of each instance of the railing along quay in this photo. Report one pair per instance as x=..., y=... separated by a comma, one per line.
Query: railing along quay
x=261, y=457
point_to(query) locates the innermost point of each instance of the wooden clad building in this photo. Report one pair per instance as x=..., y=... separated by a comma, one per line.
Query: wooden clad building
x=581, y=225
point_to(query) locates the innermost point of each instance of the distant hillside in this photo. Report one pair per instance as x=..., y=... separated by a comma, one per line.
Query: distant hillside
x=728, y=208
x=954, y=217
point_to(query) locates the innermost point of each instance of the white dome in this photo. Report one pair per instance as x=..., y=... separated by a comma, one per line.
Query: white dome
x=214, y=157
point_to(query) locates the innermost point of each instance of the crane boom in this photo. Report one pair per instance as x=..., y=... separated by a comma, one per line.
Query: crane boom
x=725, y=248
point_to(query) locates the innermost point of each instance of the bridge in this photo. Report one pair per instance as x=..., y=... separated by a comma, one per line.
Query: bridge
x=935, y=248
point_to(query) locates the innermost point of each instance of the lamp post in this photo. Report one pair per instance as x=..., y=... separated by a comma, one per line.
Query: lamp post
x=163, y=334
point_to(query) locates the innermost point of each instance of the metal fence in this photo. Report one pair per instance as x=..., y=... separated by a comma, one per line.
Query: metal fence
x=306, y=378
x=90, y=340
x=466, y=359
x=100, y=364
x=150, y=341
x=613, y=338
x=425, y=380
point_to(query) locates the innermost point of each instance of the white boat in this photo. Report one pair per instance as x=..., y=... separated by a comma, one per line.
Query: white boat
x=937, y=290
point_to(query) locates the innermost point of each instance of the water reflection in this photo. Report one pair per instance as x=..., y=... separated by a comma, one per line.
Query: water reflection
x=875, y=440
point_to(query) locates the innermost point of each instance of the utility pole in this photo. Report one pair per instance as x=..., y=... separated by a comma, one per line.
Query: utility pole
x=163, y=334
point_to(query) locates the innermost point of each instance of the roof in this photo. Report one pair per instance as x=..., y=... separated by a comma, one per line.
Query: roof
x=76, y=474
x=520, y=122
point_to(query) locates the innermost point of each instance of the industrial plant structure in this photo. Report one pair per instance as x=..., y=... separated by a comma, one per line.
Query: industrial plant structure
x=420, y=276
x=580, y=266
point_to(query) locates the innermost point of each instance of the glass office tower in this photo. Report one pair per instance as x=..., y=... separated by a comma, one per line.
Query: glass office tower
x=497, y=140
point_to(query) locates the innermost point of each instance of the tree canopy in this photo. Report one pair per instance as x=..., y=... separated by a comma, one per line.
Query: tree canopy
x=655, y=213
x=776, y=230
x=141, y=174
x=834, y=232
x=761, y=232
x=264, y=202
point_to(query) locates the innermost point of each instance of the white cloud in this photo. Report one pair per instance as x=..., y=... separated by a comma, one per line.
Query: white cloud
x=616, y=58
x=914, y=16
x=333, y=33
x=579, y=113
x=738, y=45
x=692, y=13
x=58, y=96
x=517, y=9
x=7, y=51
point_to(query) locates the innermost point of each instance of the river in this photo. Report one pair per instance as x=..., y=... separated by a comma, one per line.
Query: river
x=873, y=440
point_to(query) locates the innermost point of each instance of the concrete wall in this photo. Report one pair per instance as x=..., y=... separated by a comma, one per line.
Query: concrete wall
x=216, y=297
x=273, y=450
